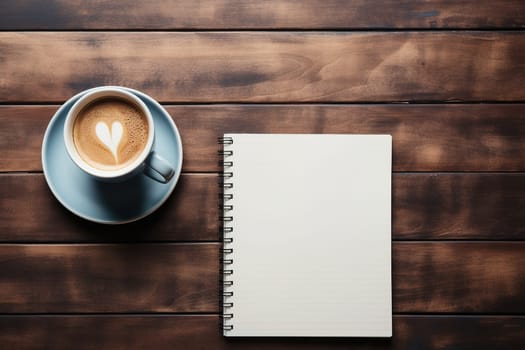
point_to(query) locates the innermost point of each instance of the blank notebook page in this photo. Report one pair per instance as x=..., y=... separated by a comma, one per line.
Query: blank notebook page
x=311, y=249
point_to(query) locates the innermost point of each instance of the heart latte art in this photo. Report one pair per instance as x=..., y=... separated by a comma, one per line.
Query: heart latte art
x=110, y=134
x=110, y=139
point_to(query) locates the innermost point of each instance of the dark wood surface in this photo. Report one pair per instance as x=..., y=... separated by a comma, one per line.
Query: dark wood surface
x=259, y=14
x=430, y=277
x=457, y=137
x=200, y=332
x=267, y=66
x=110, y=278
x=445, y=78
x=435, y=206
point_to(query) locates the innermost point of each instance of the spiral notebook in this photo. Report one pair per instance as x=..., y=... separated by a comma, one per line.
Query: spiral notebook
x=307, y=235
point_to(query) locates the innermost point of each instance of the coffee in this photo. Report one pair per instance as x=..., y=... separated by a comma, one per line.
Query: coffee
x=110, y=133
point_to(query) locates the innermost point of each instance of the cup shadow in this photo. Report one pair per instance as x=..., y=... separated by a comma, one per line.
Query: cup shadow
x=121, y=199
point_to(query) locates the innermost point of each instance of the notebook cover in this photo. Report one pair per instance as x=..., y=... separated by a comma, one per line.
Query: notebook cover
x=310, y=249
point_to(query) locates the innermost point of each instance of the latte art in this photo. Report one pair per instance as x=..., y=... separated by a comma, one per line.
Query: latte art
x=111, y=140
x=110, y=134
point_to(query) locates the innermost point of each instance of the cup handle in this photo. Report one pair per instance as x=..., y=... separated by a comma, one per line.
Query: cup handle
x=158, y=168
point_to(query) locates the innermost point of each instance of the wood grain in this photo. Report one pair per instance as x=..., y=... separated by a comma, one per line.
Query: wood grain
x=470, y=137
x=427, y=278
x=202, y=332
x=459, y=206
x=21, y=135
x=425, y=206
x=256, y=14
x=109, y=278
x=473, y=277
x=144, y=285
x=30, y=213
x=266, y=67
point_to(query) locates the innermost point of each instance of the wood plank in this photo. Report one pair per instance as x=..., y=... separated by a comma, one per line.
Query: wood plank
x=459, y=206
x=470, y=137
x=425, y=206
x=30, y=213
x=256, y=14
x=21, y=135
x=109, y=278
x=267, y=67
x=427, y=278
x=459, y=277
x=202, y=332
x=425, y=137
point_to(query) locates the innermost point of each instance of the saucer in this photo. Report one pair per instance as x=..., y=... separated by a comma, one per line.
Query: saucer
x=109, y=203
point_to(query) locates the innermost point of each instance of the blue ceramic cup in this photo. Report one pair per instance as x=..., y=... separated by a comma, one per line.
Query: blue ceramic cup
x=148, y=161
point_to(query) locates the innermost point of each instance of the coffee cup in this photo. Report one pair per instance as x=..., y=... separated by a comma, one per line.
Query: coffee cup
x=109, y=133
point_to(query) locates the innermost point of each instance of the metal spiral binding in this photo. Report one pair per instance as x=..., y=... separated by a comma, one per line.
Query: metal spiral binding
x=225, y=218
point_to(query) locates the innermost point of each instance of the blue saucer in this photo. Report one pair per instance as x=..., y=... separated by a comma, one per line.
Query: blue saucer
x=109, y=203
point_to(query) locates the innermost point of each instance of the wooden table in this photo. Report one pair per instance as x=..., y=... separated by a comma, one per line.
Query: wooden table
x=445, y=78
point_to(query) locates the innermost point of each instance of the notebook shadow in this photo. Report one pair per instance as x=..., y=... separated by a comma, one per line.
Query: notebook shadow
x=309, y=342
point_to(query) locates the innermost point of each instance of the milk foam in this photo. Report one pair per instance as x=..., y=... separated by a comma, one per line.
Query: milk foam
x=109, y=134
